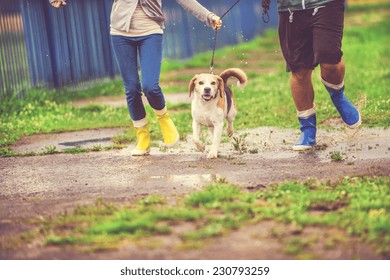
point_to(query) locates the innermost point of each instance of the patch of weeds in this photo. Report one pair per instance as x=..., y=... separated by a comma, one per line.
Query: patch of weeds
x=163, y=148
x=150, y=244
x=6, y=152
x=230, y=157
x=27, y=154
x=212, y=195
x=152, y=200
x=191, y=245
x=321, y=147
x=97, y=148
x=336, y=156
x=295, y=245
x=118, y=147
x=333, y=241
x=18, y=241
x=239, y=143
x=208, y=166
x=238, y=163
x=212, y=230
x=49, y=150
x=309, y=152
x=64, y=240
x=76, y=150
x=125, y=138
x=221, y=180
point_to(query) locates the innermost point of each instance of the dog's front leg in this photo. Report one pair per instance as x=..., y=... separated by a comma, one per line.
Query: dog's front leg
x=218, y=127
x=196, y=136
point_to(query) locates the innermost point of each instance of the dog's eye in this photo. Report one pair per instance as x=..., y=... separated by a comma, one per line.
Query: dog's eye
x=201, y=83
x=213, y=83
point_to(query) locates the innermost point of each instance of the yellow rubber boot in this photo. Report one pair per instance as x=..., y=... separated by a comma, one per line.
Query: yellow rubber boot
x=168, y=129
x=143, y=141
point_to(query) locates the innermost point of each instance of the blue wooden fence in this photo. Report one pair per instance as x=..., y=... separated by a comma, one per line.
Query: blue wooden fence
x=72, y=45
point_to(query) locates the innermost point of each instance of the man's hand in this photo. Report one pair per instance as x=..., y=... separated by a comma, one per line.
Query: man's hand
x=58, y=4
x=217, y=22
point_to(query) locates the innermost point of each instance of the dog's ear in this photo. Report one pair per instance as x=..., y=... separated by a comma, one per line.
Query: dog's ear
x=221, y=86
x=191, y=86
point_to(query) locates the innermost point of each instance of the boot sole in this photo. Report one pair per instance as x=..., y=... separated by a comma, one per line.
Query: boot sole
x=171, y=145
x=357, y=124
x=174, y=143
x=139, y=153
x=301, y=148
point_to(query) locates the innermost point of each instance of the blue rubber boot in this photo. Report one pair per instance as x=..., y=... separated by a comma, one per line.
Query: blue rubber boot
x=307, y=140
x=348, y=112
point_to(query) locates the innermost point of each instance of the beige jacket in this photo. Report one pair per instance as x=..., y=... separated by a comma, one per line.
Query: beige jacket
x=122, y=11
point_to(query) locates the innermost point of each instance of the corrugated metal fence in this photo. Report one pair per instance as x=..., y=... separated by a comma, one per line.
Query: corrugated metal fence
x=59, y=47
x=14, y=72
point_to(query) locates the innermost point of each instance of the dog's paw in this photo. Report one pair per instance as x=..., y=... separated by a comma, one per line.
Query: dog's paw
x=200, y=146
x=212, y=154
x=230, y=129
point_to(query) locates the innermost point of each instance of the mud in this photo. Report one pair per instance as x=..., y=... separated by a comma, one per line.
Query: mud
x=33, y=187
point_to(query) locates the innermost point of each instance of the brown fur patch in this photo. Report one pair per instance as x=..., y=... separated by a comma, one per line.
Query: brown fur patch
x=191, y=85
x=221, y=101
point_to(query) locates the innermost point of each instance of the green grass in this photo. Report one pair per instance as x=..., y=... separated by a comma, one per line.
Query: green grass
x=358, y=207
x=366, y=53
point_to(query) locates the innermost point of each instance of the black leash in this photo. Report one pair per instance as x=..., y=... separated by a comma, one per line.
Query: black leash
x=215, y=37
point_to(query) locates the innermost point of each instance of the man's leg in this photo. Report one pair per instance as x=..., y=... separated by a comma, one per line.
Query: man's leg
x=303, y=96
x=302, y=89
x=333, y=80
x=297, y=48
x=333, y=73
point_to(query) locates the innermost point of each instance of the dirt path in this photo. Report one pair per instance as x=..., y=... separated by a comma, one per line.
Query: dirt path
x=38, y=186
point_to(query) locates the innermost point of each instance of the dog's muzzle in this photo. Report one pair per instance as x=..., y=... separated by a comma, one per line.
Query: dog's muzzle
x=207, y=94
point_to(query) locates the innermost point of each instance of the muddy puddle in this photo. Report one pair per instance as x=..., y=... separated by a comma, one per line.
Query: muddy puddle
x=263, y=142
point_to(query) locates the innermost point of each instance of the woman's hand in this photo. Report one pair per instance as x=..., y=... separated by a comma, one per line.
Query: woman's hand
x=217, y=22
x=58, y=4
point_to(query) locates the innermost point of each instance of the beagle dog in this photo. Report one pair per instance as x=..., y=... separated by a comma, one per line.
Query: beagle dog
x=213, y=102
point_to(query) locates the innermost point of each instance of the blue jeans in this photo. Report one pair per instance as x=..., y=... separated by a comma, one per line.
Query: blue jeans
x=149, y=49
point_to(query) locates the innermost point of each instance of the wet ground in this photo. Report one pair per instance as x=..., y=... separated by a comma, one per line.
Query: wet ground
x=39, y=186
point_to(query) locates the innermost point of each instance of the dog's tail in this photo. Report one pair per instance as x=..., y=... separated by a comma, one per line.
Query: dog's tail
x=234, y=72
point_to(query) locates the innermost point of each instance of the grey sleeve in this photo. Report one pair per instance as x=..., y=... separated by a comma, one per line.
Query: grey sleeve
x=197, y=10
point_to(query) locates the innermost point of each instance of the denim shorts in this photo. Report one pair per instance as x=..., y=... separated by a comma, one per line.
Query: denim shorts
x=311, y=37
